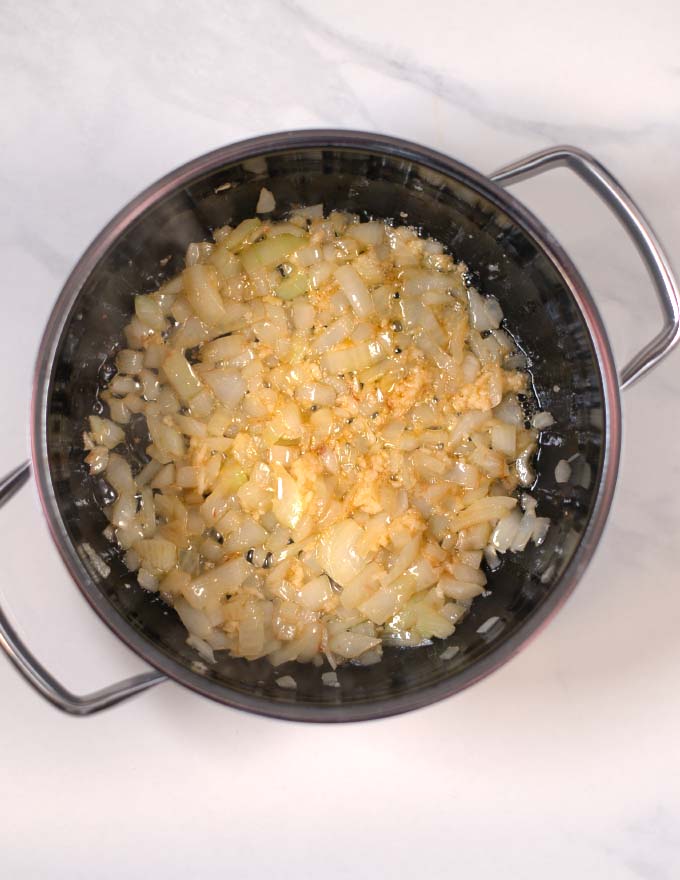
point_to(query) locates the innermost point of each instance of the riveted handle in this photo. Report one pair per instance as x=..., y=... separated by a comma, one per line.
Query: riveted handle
x=637, y=227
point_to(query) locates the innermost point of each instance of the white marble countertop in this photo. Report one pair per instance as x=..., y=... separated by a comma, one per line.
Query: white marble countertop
x=566, y=762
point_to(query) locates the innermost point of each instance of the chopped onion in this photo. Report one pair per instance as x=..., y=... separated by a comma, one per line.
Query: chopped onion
x=504, y=439
x=334, y=334
x=485, y=312
x=227, y=385
x=353, y=358
x=287, y=682
x=288, y=504
x=265, y=202
x=351, y=645
x=149, y=313
x=335, y=441
x=372, y=233
x=336, y=551
x=562, y=471
x=459, y=590
x=484, y=510
x=208, y=589
x=97, y=459
x=201, y=286
x=542, y=420
x=317, y=594
x=355, y=290
x=269, y=252
x=504, y=533
x=524, y=532
x=509, y=411
x=157, y=554
x=105, y=432
x=130, y=362
x=181, y=376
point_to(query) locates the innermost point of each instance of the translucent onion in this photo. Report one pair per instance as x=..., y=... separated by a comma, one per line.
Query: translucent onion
x=354, y=288
x=353, y=358
x=105, y=432
x=228, y=386
x=335, y=440
x=337, y=553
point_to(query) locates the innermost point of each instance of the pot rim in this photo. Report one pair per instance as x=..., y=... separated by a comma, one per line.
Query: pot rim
x=438, y=162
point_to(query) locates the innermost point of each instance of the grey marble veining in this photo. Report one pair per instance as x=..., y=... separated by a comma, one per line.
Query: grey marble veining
x=564, y=764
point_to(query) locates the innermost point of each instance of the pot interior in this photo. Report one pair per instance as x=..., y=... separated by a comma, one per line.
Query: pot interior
x=541, y=312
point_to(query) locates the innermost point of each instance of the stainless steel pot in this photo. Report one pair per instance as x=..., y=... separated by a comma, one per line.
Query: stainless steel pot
x=514, y=256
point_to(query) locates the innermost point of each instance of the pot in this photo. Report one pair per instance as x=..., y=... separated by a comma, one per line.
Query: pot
x=514, y=257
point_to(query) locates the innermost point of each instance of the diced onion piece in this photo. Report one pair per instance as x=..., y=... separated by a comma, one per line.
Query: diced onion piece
x=293, y=286
x=147, y=580
x=157, y=554
x=473, y=538
x=484, y=510
x=193, y=619
x=382, y=605
x=467, y=573
x=201, y=286
x=524, y=532
x=266, y=202
x=504, y=439
x=303, y=314
x=181, y=376
x=523, y=466
x=430, y=622
x=287, y=682
x=353, y=358
x=223, y=349
x=334, y=334
x=288, y=503
x=464, y=474
x=351, y=645
x=286, y=425
x=510, y=411
x=337, y=553
x=251, y=634
x=105, y=432
x=97, y=459
x=208, y=588
x=504, y=533
x=371, y=233
x=562, y=471
x=130, y=362
x=459, y=590
x=317, y=593
x=418, y=316
x=119, y=475
x=404, y=560
x=269, y=252
x=316, y=394
x=485, y=312
x=228, y=385
x=542, y=420
x=540, y=531
x=149, y=312
x=167, y=439
x=234, y=239
x=355, y=290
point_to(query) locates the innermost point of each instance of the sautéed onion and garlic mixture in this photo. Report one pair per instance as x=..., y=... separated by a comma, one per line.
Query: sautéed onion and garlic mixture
x=337, y=442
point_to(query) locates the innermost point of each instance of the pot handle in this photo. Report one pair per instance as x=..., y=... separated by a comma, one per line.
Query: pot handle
x=35, y=673
x=637, y=227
